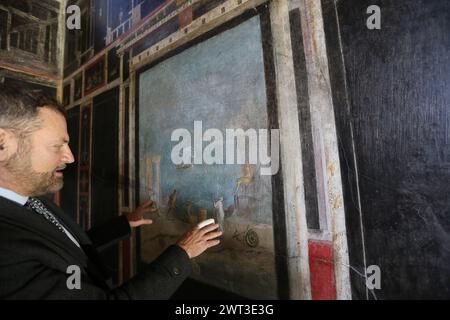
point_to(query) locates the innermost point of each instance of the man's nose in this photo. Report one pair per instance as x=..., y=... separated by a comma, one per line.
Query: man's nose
x=68, y=155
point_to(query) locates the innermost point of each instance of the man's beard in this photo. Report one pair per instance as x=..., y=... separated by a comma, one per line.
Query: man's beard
x=34, y=183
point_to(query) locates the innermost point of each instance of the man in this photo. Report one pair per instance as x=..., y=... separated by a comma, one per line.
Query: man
x=40, y=244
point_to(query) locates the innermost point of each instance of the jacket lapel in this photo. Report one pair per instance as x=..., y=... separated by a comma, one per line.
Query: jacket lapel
x=13, y=213
x=73, y=227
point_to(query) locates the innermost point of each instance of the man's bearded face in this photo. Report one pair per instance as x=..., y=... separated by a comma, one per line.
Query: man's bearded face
x=37, y=183
x=36, y=167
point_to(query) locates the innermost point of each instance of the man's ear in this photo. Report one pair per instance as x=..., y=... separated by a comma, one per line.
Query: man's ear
x=8, y=144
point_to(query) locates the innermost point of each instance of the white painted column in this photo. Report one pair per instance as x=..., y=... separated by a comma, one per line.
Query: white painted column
x=323, y=123
x=291, y=158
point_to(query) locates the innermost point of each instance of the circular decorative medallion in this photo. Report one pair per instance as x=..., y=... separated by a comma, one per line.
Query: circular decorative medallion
x=251, y=238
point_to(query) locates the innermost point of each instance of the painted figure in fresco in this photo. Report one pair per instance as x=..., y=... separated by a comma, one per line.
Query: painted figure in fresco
x=242, y=184
x=171, y=205
x=202, y=214
x=246, y=179
x=188, y=216
x=219, y=213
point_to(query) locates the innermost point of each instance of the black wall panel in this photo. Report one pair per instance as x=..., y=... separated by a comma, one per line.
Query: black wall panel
x=69, y=193
x=105, y=165
x=391, y=94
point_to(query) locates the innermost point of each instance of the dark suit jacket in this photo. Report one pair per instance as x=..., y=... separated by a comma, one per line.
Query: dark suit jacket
x=35, y=255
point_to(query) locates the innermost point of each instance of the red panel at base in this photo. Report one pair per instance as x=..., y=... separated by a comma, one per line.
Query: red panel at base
x=321, y=264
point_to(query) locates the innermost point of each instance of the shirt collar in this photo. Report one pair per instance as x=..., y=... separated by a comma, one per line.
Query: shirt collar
x=11, y=195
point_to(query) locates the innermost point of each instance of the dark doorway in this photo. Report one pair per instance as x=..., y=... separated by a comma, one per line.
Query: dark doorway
x=105, y=166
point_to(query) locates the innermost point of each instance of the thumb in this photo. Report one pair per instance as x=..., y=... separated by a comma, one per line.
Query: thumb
x=147, y=221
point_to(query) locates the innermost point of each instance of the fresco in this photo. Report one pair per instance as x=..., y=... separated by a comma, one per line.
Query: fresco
x=95, y=76
x=221, y=83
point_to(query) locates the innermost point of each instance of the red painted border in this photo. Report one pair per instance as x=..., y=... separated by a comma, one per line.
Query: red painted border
x=321, y=265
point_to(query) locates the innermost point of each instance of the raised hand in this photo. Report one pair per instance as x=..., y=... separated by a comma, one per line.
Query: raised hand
x=136, y=218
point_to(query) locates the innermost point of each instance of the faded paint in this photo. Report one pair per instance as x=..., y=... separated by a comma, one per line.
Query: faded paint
x=291, y=158
x=322, y=116
x=185, y=17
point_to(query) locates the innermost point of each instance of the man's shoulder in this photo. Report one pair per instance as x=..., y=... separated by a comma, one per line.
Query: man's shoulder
x=14, y=232
x=8, y=205
x=12, y=217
